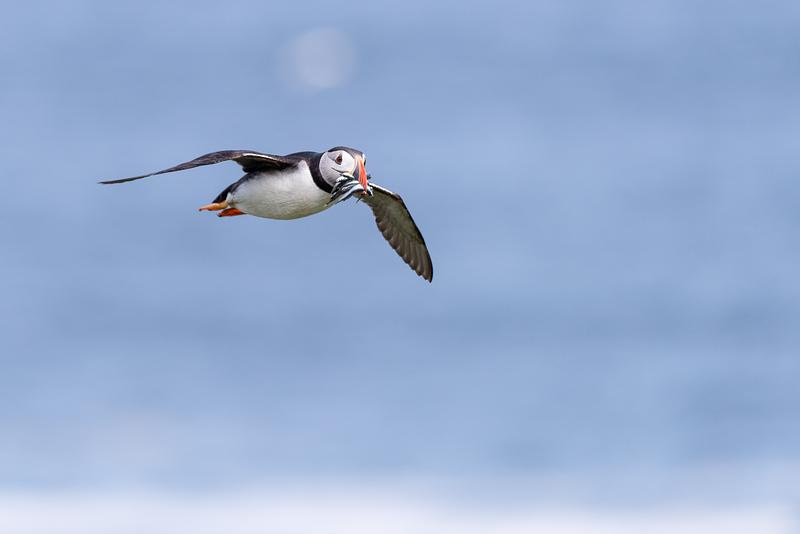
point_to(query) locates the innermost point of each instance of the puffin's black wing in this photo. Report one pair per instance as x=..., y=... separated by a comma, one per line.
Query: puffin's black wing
x=249, y=160
x=398, y=228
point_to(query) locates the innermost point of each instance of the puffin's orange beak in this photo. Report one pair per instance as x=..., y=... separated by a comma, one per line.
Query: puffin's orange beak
x=361, y=173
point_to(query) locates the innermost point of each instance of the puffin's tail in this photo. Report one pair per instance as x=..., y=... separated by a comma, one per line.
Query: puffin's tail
x=222, y=197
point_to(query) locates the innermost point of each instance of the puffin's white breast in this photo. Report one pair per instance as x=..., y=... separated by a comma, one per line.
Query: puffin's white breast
x=285, y=194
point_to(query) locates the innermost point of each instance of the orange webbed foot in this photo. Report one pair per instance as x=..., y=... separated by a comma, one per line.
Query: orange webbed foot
x=230, y=212
x=214, y=206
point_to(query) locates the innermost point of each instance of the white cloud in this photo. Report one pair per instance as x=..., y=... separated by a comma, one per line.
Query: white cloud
x=319, y=59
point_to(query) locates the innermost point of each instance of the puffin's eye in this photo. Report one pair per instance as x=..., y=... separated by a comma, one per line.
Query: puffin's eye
x=339, y=159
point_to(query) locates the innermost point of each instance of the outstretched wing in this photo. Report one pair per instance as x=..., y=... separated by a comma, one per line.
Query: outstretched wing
x=398, y=228
x=249, y=160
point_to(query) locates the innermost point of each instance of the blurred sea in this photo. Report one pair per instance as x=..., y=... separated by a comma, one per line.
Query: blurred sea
x=609, y=192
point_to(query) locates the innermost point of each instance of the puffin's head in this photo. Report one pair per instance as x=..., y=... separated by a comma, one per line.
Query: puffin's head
x=344, y=162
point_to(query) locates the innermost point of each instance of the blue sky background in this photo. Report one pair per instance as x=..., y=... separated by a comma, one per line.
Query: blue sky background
x=609, y=192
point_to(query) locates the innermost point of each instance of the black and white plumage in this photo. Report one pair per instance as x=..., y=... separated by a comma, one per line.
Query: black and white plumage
x=304, y=183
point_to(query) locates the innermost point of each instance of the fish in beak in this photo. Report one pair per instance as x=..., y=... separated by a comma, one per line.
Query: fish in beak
x=351, y=184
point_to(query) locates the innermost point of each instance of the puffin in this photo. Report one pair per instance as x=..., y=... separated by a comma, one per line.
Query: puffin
x=304, y=183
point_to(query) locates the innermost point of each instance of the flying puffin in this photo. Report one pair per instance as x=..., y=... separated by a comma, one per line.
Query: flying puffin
x=304, y=183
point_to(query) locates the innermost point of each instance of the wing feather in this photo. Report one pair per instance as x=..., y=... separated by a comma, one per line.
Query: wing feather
x=249, y=160
x=399, y=229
